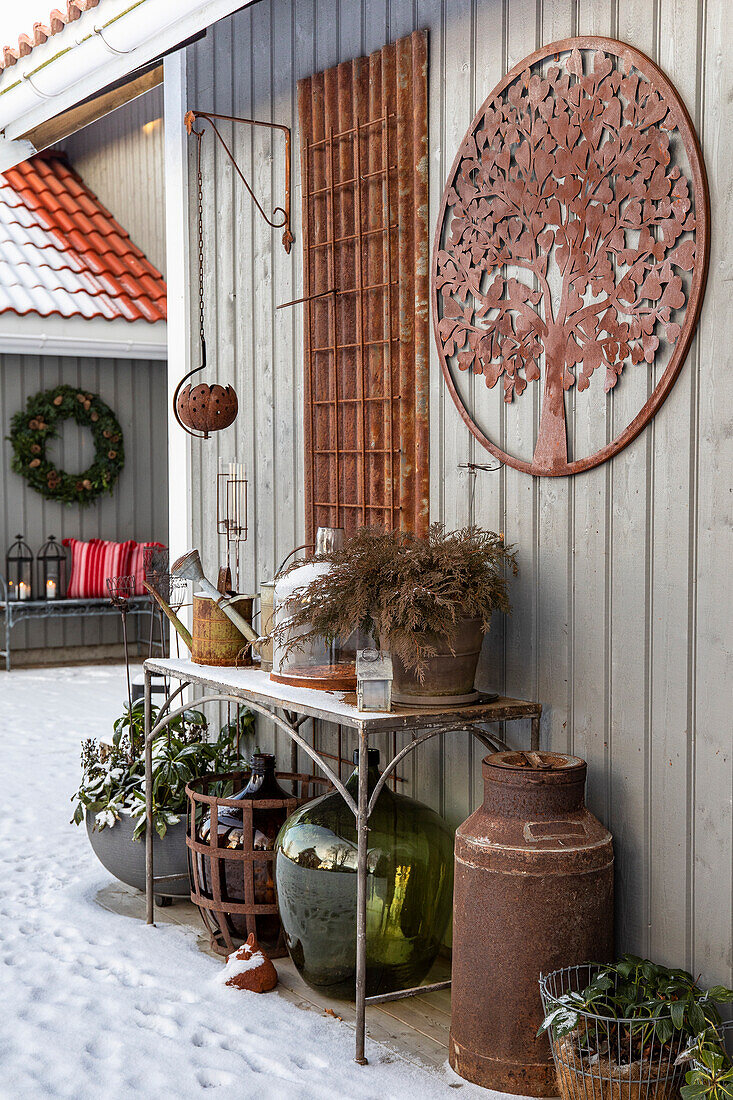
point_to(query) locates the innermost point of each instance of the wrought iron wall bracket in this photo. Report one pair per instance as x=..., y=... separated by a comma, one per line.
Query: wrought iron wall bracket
x=281, y=222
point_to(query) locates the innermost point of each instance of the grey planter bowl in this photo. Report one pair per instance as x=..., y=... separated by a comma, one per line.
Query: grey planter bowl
x=124, y=857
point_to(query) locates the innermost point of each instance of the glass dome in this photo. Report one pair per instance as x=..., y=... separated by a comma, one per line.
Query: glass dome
x=315, y=663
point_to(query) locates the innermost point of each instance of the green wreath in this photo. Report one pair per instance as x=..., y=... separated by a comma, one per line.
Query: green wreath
x=31, y=430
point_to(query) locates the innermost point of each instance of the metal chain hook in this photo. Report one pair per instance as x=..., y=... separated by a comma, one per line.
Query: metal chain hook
x=200, y=215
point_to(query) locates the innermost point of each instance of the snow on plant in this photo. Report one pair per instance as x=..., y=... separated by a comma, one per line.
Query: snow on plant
x=113, y=776
x=627, y=1005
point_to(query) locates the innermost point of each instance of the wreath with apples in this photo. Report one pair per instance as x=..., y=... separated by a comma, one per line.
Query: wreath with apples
x=31, y=429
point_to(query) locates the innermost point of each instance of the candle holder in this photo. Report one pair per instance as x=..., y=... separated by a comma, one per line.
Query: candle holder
x=231, y=511
x=52, y=570
x=19, y=570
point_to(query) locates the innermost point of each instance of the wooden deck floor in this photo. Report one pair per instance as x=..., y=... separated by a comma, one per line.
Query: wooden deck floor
x=414, y=1029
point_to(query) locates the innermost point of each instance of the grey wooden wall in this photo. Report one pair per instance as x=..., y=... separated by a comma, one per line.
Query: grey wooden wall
x=138, y=508
x=621, y=621
x=120, y=157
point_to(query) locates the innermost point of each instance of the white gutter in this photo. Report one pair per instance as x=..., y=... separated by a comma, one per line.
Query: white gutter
x=103, y=45
x=81, y=336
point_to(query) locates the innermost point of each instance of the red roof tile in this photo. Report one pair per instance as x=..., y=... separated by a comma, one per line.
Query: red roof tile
x=57, y=20
x=62, y=252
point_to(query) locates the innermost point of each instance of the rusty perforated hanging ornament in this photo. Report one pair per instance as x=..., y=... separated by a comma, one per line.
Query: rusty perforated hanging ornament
x=202, y=409
x=572, y=241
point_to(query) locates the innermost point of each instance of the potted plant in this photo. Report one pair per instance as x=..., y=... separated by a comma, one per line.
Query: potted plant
x=624, y=1030
x=111, y=796
x=428, y=601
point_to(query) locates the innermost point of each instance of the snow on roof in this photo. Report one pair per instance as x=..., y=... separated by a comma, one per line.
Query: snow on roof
x=62, y=252
x=41, y=32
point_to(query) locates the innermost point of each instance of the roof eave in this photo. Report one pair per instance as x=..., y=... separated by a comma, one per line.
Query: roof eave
x=101, y=46
x=32, y=334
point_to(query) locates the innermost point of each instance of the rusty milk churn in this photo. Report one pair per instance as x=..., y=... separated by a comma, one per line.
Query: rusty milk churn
x=533, y=892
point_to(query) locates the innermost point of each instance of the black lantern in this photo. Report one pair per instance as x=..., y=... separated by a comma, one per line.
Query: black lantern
x=19, y=570
x=52, y=567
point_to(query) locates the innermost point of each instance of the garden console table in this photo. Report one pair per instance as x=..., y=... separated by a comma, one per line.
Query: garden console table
x=289, y=707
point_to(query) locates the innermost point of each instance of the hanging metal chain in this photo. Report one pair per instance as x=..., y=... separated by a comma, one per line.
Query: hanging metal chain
x=214, y=407
x=200, y=215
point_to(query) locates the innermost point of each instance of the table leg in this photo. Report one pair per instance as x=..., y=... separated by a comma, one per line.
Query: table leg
x=361, y=897
x=149, y=871
x=535, y=735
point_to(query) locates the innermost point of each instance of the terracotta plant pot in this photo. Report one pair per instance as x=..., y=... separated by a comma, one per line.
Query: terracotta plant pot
x=449, y=675
x=124, y=857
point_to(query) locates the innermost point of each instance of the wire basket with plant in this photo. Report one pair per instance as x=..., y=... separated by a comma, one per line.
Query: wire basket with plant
x=626, y=1031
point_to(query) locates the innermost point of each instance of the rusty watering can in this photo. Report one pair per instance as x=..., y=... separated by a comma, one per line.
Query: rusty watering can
x=189, y=567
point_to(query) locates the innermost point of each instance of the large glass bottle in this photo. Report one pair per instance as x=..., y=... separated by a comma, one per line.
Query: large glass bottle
x=262, y=786
x=409, y=891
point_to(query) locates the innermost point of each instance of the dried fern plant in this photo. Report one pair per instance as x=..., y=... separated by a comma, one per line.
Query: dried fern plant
x=408, y=593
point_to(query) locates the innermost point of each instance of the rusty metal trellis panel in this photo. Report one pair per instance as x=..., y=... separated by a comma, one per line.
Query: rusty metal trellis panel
x=363, y=127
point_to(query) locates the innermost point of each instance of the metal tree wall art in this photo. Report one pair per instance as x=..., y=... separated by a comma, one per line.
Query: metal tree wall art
x=572, y=240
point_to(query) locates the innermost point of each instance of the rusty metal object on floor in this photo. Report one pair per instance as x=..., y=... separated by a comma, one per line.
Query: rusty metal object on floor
x=533, y=892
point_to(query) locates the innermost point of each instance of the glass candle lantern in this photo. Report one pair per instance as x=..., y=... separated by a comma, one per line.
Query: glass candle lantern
x=19, y=570
x=373, y=680
x=52, y=569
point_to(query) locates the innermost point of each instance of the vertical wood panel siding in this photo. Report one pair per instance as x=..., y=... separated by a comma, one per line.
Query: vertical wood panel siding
x=138, y=508
x=622, y=611
x=120, y=157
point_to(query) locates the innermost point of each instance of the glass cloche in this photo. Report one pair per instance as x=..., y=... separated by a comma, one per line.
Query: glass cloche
x=315, y=663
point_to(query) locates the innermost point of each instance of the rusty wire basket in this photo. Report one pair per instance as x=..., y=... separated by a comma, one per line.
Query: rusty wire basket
x=607, y=1058
x=226, y=882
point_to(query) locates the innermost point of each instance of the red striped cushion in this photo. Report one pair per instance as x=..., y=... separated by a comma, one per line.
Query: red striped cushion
x=93, y=562
x=138, y=563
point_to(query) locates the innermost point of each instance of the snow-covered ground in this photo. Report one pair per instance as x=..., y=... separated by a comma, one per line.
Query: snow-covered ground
x=97, y=1005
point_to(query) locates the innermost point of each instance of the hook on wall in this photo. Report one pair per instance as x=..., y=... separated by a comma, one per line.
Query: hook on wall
x=283, y=222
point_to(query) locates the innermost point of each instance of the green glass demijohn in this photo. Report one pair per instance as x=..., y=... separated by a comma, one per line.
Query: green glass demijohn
x=409, y=889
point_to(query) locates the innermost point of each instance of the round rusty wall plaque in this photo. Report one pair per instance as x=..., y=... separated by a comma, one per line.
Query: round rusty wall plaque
x=572, y=240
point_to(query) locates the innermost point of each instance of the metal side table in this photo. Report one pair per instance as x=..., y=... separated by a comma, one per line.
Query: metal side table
x=289, y=707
